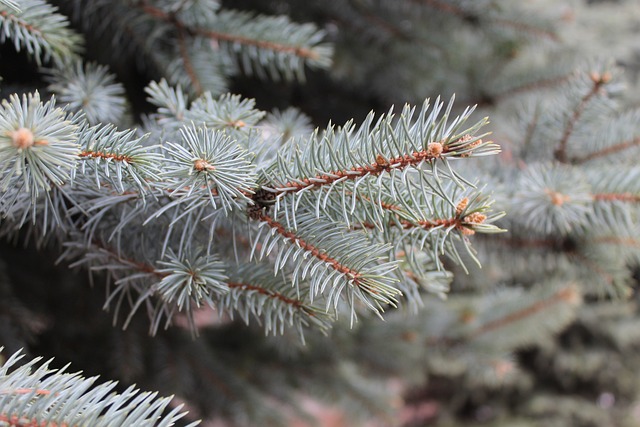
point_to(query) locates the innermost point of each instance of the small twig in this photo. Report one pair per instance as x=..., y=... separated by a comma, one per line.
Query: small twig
x=317, y=253
x=216, y=35
x=616, y=197
x=616, y=148
x=598, y=80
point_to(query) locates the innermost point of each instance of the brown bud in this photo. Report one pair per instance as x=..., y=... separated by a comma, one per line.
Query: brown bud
x=237, y=124
x=467, y=316
x=557, y=199
x=462, y=205
x=472, y=145
x=571, y=295
x=467, y=231
x=409, y=336
x=434, y=149
x=475, y=218
x=22, y=138
x=202, y=165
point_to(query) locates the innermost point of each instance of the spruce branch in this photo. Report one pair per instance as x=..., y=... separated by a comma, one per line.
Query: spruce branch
x=89, y=88
x=598, y=81
x=186, y=283
x=532, y=86
x=607, y=151
x=120, y=188
x=361, y=164
x=208, y=164
x=568, y=295
x=231, y=113
x=553, y=198
x=331, y=258
x=254, y=41
x=10, y=4
x=117, y=159
x=468, y=14
x=192, y=277
x=38, y=145
x=254, y=290
x=34, y=394
x=495, y=320
x=40, y=30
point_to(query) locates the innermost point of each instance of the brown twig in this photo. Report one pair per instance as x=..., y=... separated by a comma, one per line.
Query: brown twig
x=568, y=294
x=16, y=421
x=434, y=150
x=598, y=80
x=106, y=156
x=298, y=304
x=219, y=36
x=532, y=86
x=616, y=197
x=472, y=17
x=616, y=148
x=297, y=240
x=21, y=23
x=186, y=59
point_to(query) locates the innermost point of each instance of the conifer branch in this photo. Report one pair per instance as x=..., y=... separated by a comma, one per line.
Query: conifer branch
x=334, y=260
x=598, y=80
x=568, y=295
x=188, y=64
x=90, y=89
x=374, y=162
x=263, y=44
x=616, y=197
x=472, y=17
x=297, y=304
x=235, y=32
x=533, y=86
x=464, y=225
x=353, y=275
x=593, y=266
x=38, y=28
x=434, y=151
x=34, y=395
x=11, y=4
x=613, y=149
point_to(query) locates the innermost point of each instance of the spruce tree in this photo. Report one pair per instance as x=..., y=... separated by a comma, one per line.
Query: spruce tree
x=253, y=266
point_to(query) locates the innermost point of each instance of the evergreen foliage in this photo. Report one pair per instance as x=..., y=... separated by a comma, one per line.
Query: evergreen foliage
x=345, y=251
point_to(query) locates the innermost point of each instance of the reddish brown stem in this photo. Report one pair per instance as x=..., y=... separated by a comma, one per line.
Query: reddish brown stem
x=561, y=151
x=40, y=392
x=30, y=28
x=147, y=268
x=296, y=240
x=186, y=59
x=620, y=197
x=568, y=295
x=215, y=35
x=537, y=85
x=380, y=166
x=607, y=151
x=472, y=17
x=16, y=421
x=272, y=294
x=107, y=156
